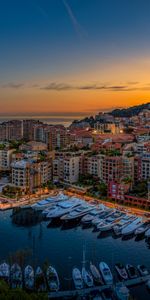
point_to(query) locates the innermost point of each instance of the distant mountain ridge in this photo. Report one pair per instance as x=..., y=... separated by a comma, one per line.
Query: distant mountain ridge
x=117, y=113
x=130, y=111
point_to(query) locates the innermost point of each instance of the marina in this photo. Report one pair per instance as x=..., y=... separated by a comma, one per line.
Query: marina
x=47, y=238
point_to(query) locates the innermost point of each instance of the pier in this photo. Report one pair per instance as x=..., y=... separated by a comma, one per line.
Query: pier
x=86, y=291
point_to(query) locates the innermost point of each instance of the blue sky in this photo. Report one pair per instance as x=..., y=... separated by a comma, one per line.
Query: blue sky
x=71, y=40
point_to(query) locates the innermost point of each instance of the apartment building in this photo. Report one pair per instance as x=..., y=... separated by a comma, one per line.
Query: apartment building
x=29, y=174
x=6, y=159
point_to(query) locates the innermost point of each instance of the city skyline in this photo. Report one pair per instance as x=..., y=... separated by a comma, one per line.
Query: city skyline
x=73, y=57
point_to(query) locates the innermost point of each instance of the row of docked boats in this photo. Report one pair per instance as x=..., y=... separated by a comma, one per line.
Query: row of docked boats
x=103, y=275
x=30, y=279
x=101, y=217
x=87, y=277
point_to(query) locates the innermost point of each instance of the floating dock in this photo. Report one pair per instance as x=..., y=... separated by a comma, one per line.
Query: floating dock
x=86, y=291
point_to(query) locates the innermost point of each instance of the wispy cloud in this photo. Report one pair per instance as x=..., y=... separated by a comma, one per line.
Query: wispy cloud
x=13, y=85
x=66, y=86
x=77, y=27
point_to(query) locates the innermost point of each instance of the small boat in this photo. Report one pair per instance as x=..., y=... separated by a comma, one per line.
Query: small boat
x=40, y=282
x=131, y=271
x=147, y=233
x=142, y=270
x=87, y=277
x=77, y=278
x=95, y=273
x=130, y=229
x=5, y=272
x=106, y=273
x=52, y=279
x=141, y=230
x=121, y=291
x=148, y=284
x=121, y=271
x=16, y=276
x=29, y=277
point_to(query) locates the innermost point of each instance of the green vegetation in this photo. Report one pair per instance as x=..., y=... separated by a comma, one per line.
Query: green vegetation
x=140, y=189
x=7, y=294
x=2, y=146
x=15, y=144
x=11, y=191
x=110, y=152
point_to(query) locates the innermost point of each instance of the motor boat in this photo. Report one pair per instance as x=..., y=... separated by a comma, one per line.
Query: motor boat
x=87, y=219
x=141, y=230
x=95, y=273
x=5, y=272
x=78, y=212
x=29, y=277
x=16, y=279
x=147, y=233
x=121, y=291
x=123, y=223
x=121, y=270
x=40, y=282
x=87, y=277
x=63, y=208
x=52, y=279
x=148, y=284
x=130, y=229
x=106, y=273
x=132, y=272
x=142, y=270
x=77, y=278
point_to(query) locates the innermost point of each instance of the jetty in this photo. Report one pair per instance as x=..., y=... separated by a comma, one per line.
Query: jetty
x=86, y=291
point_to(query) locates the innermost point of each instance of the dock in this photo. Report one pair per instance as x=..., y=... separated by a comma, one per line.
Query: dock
x=86, y=291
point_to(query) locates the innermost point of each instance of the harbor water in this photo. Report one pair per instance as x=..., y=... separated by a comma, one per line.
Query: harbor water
x=62, y=247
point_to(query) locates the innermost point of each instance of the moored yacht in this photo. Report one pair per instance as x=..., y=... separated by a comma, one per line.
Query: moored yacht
x=52, y=279
x=78, y=212
x=95, y=273
x=29, y=277
x=147, y=233
x=40, y=282
x=130, y=229
x=77, y=278
x=16, y=276
x=5, y=272
x=63, y=208
x=87, y=277
x=132, y=272
x=106, y=273
x=121, y=270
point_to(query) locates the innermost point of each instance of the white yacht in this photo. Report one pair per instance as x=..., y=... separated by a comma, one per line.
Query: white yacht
x=130, y=229
x=102, y=216
x=5, y=271
x=45, y=203
x=141, y=230
x=29, y=277
x=87, y=219
x=52, y=279
x=87, y=277
x=95, y=273
x=77, y=278
x=123, y=223
x=78, y=212
x=63, y=208
x=147, y=233
x=106, y=273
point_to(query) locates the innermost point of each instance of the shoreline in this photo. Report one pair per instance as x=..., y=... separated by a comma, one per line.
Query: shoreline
x=30, y=201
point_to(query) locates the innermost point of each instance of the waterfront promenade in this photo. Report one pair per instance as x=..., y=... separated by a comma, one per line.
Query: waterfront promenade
x=29, y=200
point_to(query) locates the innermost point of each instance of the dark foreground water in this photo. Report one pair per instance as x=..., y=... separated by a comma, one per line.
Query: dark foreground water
x=63, y=248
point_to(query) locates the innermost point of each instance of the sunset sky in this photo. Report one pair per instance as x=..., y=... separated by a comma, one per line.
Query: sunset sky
x=73, y=56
